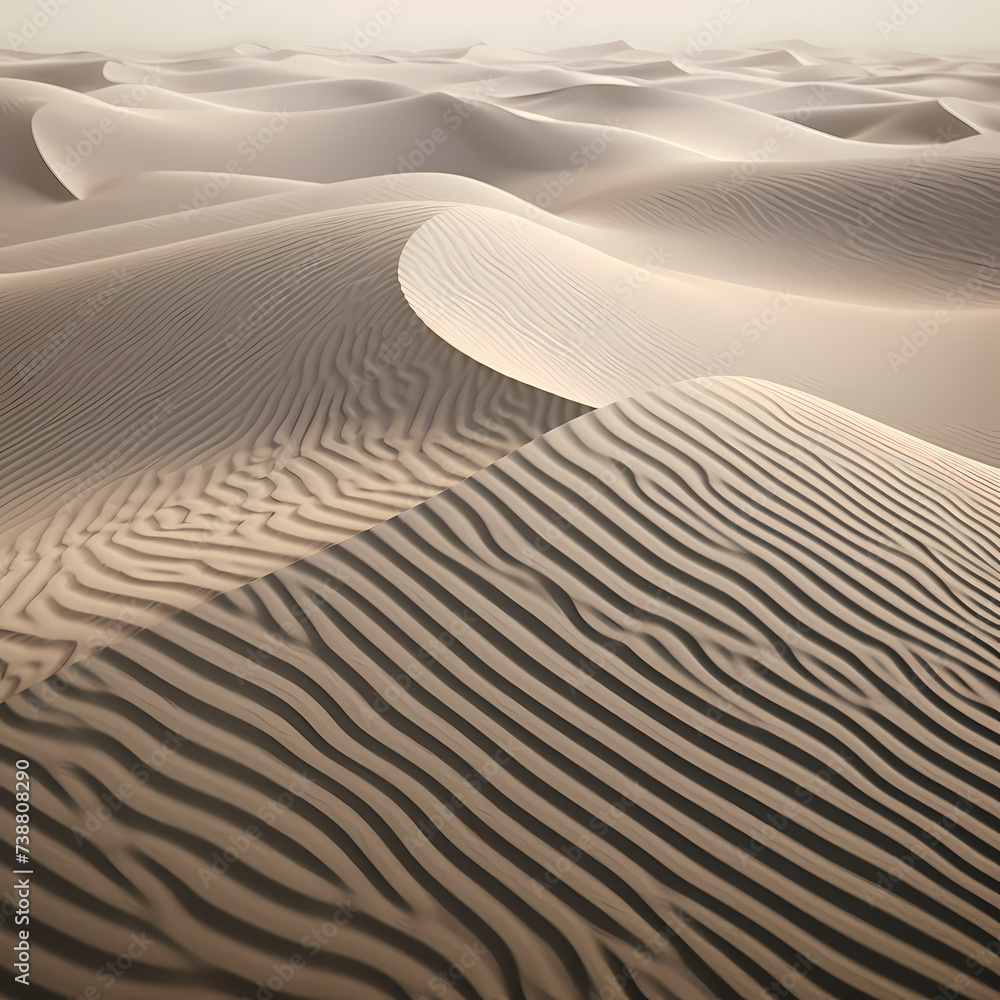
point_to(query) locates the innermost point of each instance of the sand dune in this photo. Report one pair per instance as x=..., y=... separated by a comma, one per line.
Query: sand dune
x=73, y=242
x=695, y=665
x=72, y=70
x=160, y=447
x=493, y=144
x=832, y=232
x=311, y=95
x=25, y=181
x=551, y=312
x=680, y=118
x=335, y=625
x=980, y=115
x=913, y=123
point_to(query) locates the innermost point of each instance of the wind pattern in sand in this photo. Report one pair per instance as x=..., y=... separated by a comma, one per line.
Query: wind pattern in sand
x=505, y=540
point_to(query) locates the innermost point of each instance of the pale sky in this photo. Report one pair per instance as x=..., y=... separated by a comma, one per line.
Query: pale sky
x=538, y=25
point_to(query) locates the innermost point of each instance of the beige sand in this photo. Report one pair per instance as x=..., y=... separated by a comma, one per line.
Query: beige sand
x=700, y=664
x=298, y=354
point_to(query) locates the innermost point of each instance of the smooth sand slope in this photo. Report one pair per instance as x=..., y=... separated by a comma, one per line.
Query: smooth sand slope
x=706, y=664
x=557, y=314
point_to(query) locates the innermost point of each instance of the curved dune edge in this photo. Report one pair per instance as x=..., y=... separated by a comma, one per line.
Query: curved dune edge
x=26, y=181
x=220, y=408
x=689, y=674
x=536, y=305
x=552, y=312
x=197, y=218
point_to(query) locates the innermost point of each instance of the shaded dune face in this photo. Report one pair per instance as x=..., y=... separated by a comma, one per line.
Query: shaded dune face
x=676, y=689
x=505, y=526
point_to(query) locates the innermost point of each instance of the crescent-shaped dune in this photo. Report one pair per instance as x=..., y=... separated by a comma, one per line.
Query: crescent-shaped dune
x=70, y=70
x=982, y=116
x=311, y=95
x=669, y=694
x=779, y=98
x=559, y=315
x=911, y=124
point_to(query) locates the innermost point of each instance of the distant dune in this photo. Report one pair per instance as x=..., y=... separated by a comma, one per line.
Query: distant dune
x=503, y=525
